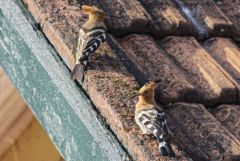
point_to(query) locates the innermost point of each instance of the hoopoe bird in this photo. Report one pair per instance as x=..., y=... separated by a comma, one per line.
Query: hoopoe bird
x=151, y=119
x=91, y=35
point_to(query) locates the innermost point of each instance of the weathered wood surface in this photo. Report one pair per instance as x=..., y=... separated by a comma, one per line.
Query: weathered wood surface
x=15, y=131
x=43, y=81
x=14, y=115
x=32, y=145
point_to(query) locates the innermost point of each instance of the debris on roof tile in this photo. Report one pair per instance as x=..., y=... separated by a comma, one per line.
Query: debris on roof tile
x=143, y=45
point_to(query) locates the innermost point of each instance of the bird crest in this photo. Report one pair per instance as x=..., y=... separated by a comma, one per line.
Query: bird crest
x=148, y=87
x=93, y=10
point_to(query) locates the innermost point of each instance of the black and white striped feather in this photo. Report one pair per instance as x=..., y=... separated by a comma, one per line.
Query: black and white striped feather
x=88, y=42
x=152, y=121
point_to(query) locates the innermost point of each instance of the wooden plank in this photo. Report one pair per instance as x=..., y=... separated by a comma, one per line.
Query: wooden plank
x=16, y=129
x=10, y=112
x=43, y=81
x=32, y=145
x=14, y=116
x=6, y=89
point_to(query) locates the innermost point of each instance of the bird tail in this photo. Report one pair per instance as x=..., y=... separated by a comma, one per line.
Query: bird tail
x=78, y=72
x=164, y=147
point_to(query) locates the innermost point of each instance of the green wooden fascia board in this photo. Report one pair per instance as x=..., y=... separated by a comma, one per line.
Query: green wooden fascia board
x=43, y=81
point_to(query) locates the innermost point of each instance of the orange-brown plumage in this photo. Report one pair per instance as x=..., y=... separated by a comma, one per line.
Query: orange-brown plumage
x=146, y=97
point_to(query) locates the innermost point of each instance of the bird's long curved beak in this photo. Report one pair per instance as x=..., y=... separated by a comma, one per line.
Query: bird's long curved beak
x=133, y=96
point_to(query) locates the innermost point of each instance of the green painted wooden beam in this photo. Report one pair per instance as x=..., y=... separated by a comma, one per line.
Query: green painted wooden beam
x=43, y=81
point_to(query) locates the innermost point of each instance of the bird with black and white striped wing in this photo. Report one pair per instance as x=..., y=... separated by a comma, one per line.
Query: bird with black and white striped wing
x=151, y=119
x=91, y=35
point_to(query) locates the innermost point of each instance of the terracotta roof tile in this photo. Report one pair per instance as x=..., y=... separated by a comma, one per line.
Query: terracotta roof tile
x=229, y=116
x=227, y=54
x=166, y=18
x=200, y=69
x=231, y=8
x=154, y=63
x=205, y=17
x=209, y=137
x=133, y=17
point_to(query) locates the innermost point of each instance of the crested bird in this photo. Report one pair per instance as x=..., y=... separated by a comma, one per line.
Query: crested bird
x=151, y=118
x=91, y=35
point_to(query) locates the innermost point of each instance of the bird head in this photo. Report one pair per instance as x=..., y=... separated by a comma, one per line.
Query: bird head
x=147, y=91
x=93, y=11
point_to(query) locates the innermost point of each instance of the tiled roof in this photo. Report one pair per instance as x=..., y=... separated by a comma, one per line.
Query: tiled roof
x=175, y=40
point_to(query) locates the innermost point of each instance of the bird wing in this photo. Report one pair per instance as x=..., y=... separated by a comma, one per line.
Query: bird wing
x=154, y=120
x=90, y=41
